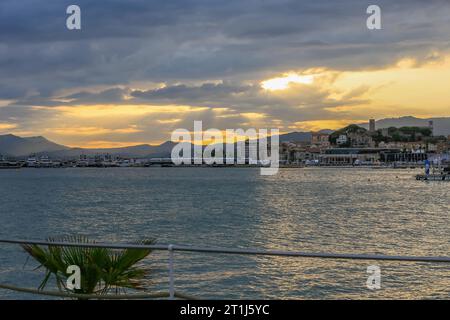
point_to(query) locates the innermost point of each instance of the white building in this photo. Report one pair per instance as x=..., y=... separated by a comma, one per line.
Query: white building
x=342, y=139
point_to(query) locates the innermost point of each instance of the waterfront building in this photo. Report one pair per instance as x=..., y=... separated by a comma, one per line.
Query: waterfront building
x=371, y=156
x=298, y=152
x=350, y=156
x=361, y=140
x=398, y=156
x=321, y=140
x=418, y=146
x=342, y=139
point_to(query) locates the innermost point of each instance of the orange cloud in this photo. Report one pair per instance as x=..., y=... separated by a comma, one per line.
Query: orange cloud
x=88, y=131
x=7, y=126
x=110, y=111
x=317, y=125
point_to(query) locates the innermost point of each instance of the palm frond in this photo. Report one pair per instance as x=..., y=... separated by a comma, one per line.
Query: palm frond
x=102, y=269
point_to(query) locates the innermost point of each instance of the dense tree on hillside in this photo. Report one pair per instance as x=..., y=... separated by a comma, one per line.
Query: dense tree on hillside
x=392, y=134
x=353, y=128
x=403, y=134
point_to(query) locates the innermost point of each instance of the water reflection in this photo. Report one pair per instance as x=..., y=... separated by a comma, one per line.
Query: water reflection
x=321, y=210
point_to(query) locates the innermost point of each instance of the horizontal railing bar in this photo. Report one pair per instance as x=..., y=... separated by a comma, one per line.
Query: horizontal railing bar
x=312, y=254
x=280, y=253
x=86, y=245
x=59, y=294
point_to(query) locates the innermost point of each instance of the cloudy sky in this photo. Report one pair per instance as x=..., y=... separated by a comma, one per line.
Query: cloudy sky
x=139, y=69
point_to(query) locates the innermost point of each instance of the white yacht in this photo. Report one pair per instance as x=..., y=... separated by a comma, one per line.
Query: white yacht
x=32, y=161
x=45, y=162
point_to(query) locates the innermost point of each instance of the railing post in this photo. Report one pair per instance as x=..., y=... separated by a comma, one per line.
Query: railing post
x=171, y=276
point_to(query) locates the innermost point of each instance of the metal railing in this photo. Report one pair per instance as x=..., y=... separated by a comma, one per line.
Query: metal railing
x=171, y=248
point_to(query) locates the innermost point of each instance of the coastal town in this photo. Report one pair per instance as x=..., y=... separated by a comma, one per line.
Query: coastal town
x=349, y=146
x=223, y=159
x=354, y=145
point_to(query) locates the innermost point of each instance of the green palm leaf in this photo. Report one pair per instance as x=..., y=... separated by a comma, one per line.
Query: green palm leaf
x=102, y=270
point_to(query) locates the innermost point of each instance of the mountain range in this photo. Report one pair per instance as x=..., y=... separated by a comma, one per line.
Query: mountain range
x=14, y=146
x=441, y=125
x=11, y=145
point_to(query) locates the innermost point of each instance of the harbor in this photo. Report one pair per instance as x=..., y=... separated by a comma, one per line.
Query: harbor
x=253, y=155
x=310, y=210
x=351, y=146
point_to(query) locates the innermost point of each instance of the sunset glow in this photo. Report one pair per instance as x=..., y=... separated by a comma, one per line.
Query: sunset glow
x=282, y=83
x=302, y=76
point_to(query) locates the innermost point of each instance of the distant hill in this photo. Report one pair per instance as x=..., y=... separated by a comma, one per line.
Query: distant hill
x=12, y=145
x=139, y=151
x=296, y=136
x=301, y=136
x=441, y=125
x=326, y=131
x=353, y=128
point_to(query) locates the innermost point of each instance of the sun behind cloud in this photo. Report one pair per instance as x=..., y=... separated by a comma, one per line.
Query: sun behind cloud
x=282, y=83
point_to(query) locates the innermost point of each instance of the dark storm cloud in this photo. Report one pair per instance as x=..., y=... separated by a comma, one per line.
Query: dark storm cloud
x=171, y=40
x=202, y=94
x=110, y=96
x=306, y=102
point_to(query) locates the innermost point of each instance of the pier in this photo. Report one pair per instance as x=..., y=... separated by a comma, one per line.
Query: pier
x=433, y=177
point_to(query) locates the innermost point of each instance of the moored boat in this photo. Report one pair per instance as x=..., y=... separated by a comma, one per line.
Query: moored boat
x=438, y=174
x=10, y=165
